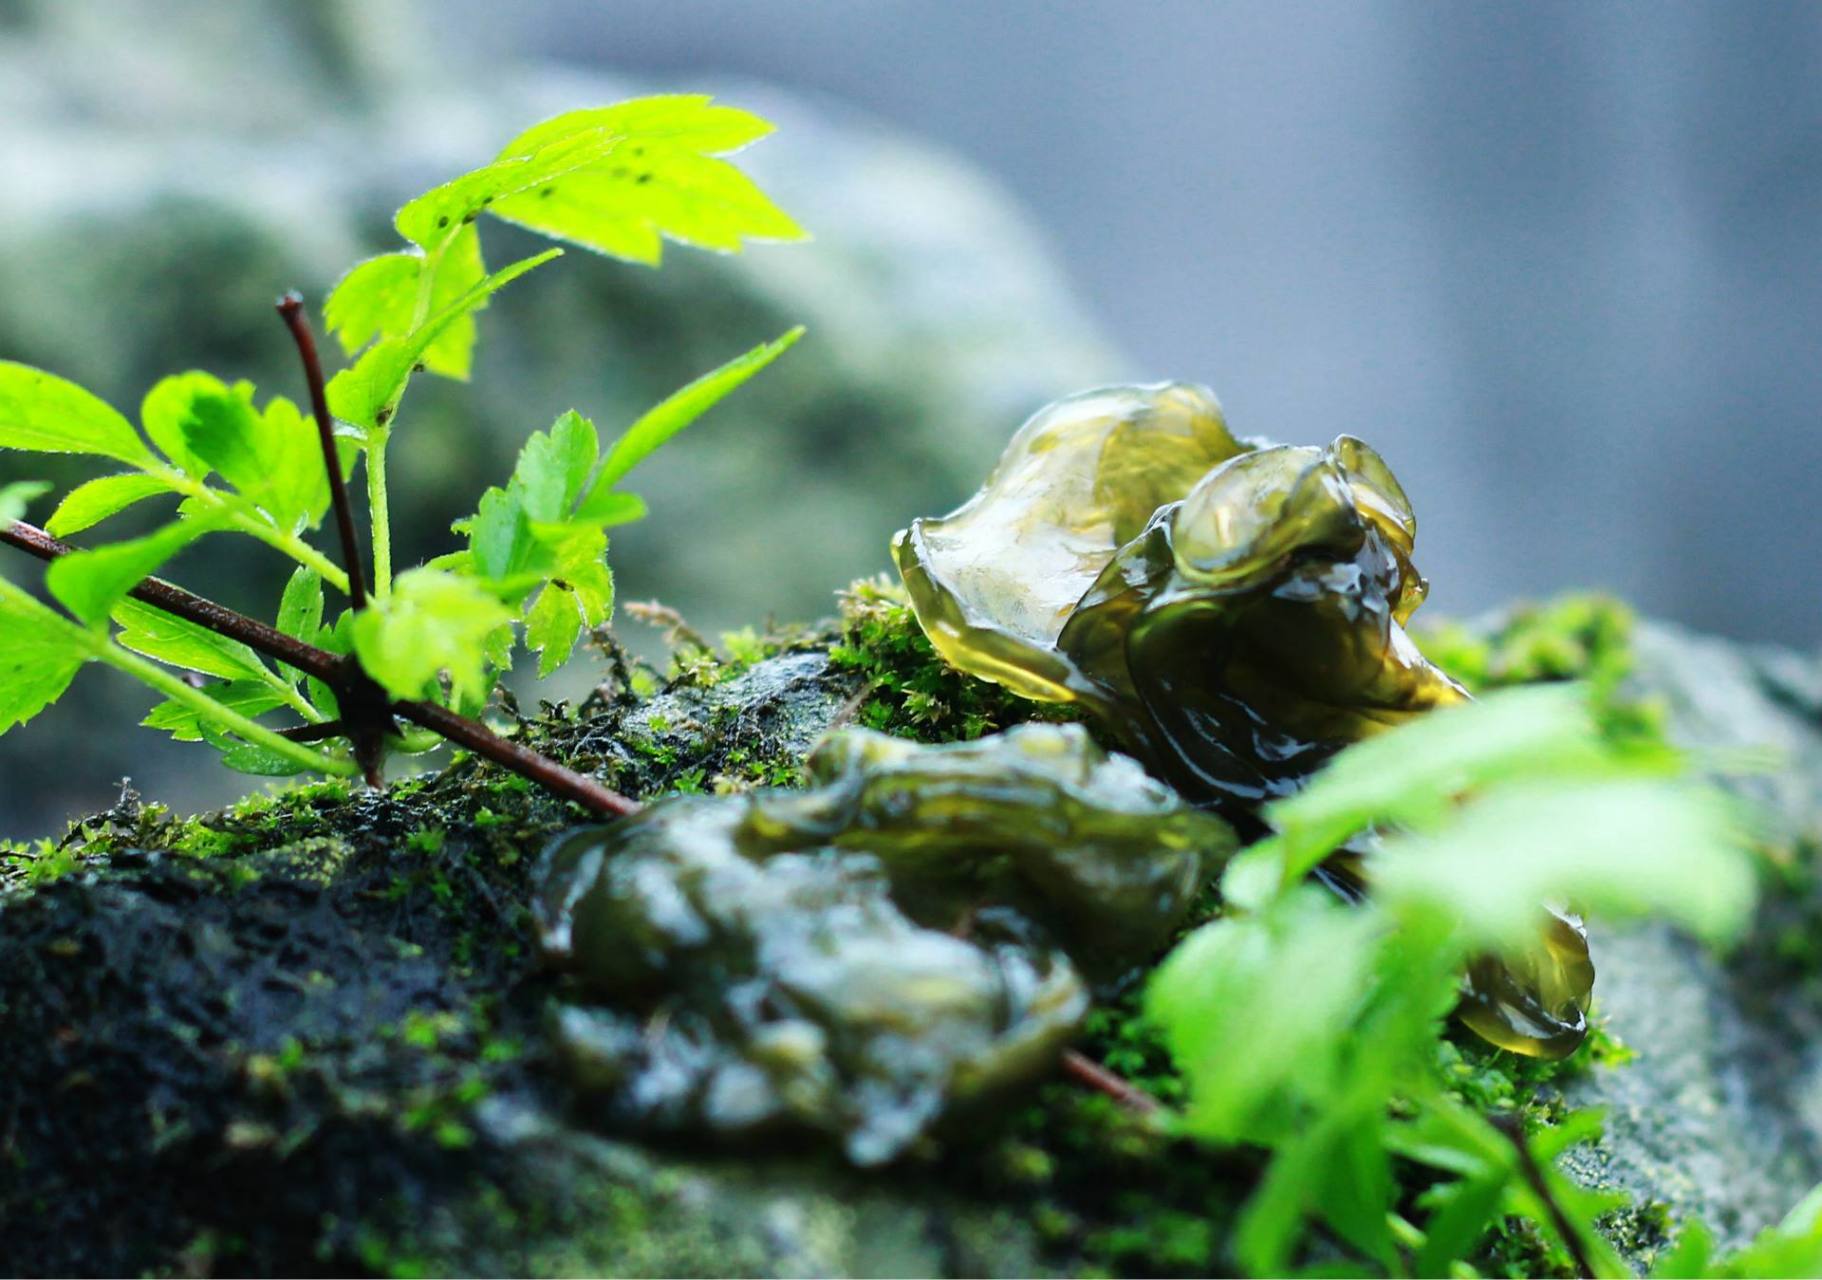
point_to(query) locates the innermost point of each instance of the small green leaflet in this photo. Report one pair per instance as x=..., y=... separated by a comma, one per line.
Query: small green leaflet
x=675, y=412
x=41, y=655
x=90, y=503
x=616, y=179
x=368, y=393
x=171, y=639
x=45, y=414
x=433, y=622
x=379, y=299
x=90, y=583
x=272, y=458
x=15, y=496
x=300, y=611
x=184, y=723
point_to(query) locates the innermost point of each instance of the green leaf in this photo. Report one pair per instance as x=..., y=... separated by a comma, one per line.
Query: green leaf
x=654, y=177
x=552, y=625
x=552, y=468
x=378, y=300
x=300, y=610
x=15, y=496
x=168, y=406
x=89, y=504
x=432, y=622
x=181, y=643
x=41, y=655
x=615, y=179
x=367, y=394
x=1619, y=849
x=90, y=583
x=675, y=413
x=185, y=724
x=45, y=414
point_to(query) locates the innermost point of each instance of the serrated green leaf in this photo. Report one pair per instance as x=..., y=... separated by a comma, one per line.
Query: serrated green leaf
x=173, y=640
x=553, y=467
x=378, y=300
x=185, y=724
x=167, y=407
x=295, y=489
x=432, y=622
x=223, y=431
x=552, y=625
x=659, y=179
x=300, y=611
x=89, y=504
x=367, y=394
x=676, y=412
x=40, y=657
x=337, y=639
x=15, y=496
x=90, y=583
x=45, y=414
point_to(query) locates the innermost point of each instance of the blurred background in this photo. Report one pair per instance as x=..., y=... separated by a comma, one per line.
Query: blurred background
x=1559, y=263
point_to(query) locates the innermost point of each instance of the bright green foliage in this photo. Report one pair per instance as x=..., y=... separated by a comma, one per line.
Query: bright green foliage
x=15, y=496
x=368, y=394
x=90, y=583
x=95, y=500
x=1484, y=813
x=613, y=179
x=44, y=414
x=37, y=661
x=379, y=299
x=433, y=622
x=1792, y=1248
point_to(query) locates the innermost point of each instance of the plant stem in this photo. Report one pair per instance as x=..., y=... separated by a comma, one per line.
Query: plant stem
x=291, y=309
x=541, y=769
x=223, y=621
x=379, y=512
x=1085, y=1070
x=1512, y=1126
x=174, y=687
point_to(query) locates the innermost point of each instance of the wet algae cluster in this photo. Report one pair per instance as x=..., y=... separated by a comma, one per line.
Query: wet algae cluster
x=344, y=1027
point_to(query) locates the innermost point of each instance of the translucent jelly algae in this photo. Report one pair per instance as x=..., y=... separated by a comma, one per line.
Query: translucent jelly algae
x=1230, y=611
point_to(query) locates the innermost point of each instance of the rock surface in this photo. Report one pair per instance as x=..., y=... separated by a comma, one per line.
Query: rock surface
x=310, y=1035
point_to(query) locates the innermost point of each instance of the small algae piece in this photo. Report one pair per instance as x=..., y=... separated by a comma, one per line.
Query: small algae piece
x=867, y=957
x=1231, y=612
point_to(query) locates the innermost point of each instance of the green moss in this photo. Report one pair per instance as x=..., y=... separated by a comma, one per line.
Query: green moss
x=909, y=691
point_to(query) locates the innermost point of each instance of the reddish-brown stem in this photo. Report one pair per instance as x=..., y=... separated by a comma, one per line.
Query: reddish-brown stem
x=1085, y=1070
x=223, y=621
x=1513, y=1126
x=291, y=308
x=342, y=675
x=522, y=760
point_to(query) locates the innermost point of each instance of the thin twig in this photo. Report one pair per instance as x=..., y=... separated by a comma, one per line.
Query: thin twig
x=541, y=769
x=291, y=308
x=1513, y=1126
x=207, y=614
x=314, y=732
x=1085, y=1070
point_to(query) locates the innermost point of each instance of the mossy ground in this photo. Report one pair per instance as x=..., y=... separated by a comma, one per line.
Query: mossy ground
x=261, y=1040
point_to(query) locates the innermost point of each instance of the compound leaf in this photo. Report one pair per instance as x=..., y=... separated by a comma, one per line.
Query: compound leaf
x=379, y=298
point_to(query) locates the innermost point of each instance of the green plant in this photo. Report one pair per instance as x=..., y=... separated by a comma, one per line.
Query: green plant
x=424, y=647
x=1315, y=1031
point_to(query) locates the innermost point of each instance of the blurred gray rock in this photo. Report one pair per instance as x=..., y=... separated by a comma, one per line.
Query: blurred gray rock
x=1720, y=1114
x=171, y=167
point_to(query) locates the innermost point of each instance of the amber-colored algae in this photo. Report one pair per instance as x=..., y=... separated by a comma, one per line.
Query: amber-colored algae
x=1231, y=611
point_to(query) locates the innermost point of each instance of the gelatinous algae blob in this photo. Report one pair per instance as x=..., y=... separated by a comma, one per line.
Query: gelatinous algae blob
x=1231, y=611
x=904, y=939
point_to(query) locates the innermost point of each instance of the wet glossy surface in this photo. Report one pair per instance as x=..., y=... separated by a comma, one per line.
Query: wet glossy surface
x=905, y=938
x=1231, y=611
